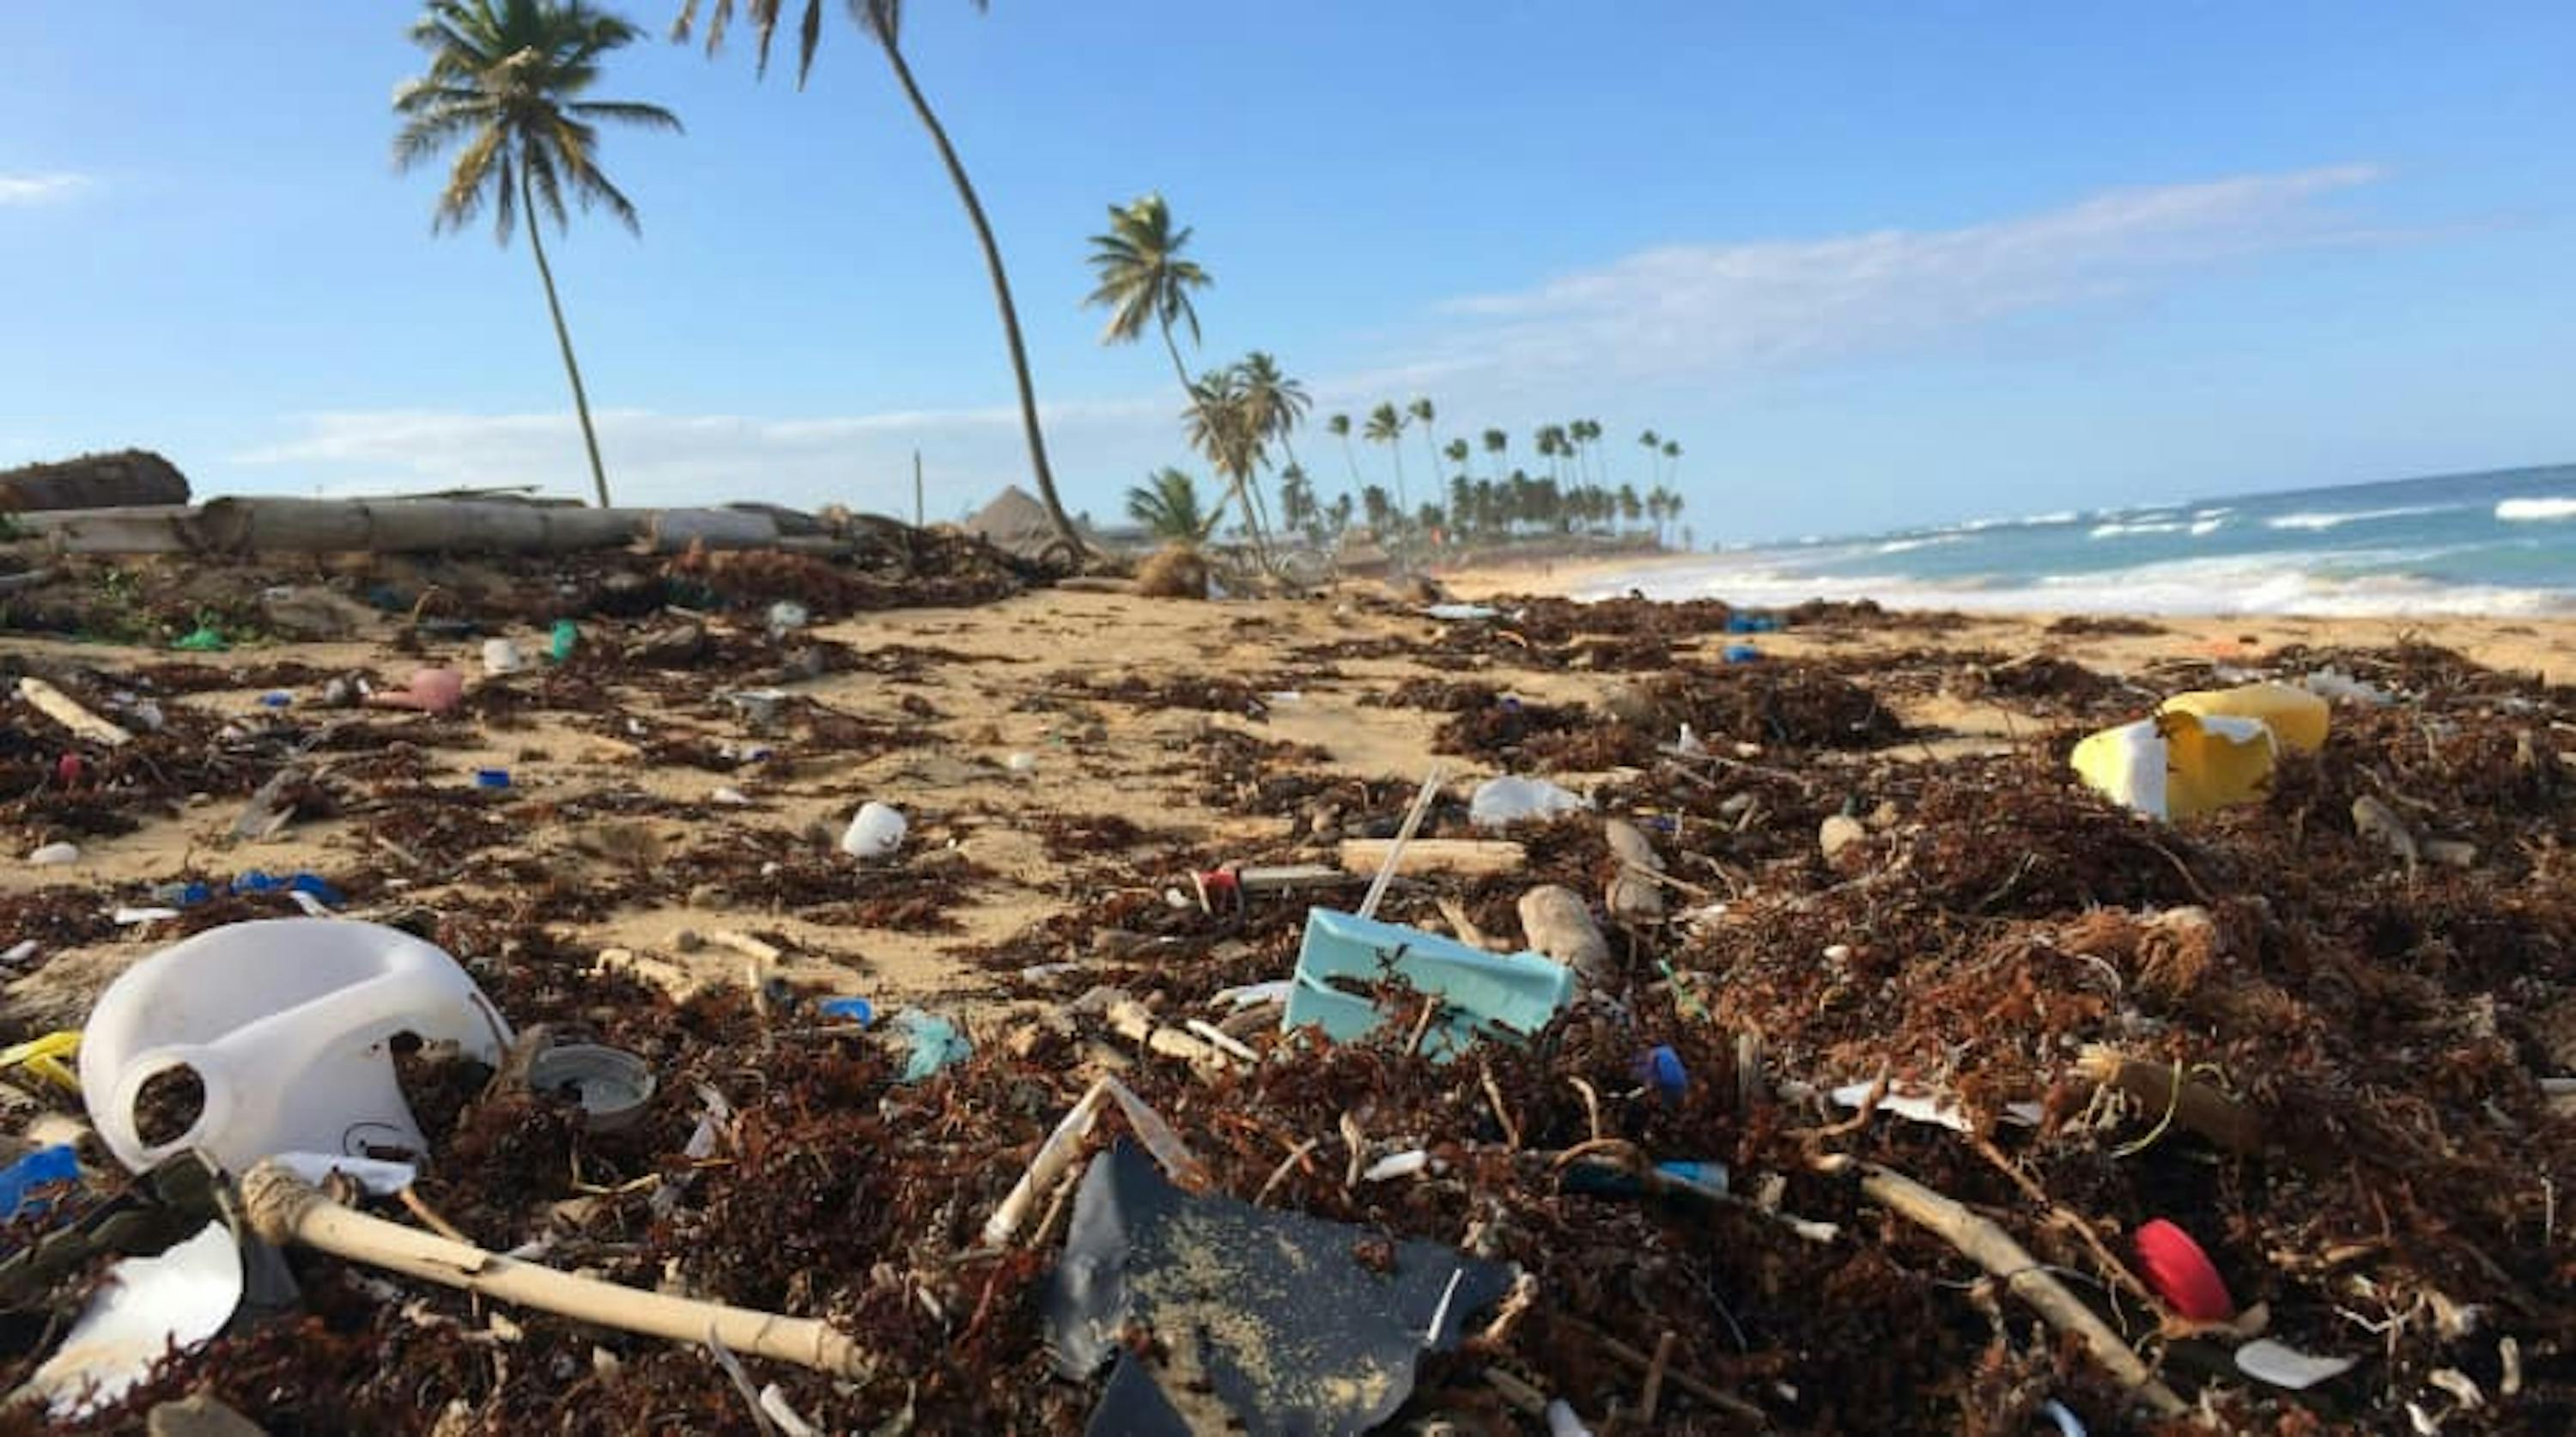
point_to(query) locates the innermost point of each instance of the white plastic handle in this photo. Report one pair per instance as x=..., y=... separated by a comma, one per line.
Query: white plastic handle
x=142, y=1068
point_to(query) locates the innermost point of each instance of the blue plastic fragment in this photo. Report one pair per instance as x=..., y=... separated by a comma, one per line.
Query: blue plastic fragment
x=1479, y=992
x=491, y=778
x=256, y=881
x=1678, y=1178
x=45, y=1167
x=1661, y=1069
x=1741, y=654
x=934, y=1044
x=1742, y=622
x=856, y=1010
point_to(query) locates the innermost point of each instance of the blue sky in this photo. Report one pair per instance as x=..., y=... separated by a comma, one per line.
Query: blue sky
x=1871, y=264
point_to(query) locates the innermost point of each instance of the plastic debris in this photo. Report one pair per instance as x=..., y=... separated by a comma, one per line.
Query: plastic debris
x=55, y=855
x=877, y=831
x=1499, y=802
x=613, y=1087
x=285, y=1024
x=55, y=1166
x=374, y=1176
x=1740, y=654
x=1926, y=1105
x=1294, y=1334
x=2283, y=1366
x=2181, y=1273
x=565, y=639
x=204, y=639
x=147, y=1306
x=2202, y=750
x=502, y=656
x=930, y=1043
x=1660, y=1068
x=1744, y=622
x=491, y=778
x=848, y=1010
x=1454, y=613
x=1479, y=992
x=47, y=1059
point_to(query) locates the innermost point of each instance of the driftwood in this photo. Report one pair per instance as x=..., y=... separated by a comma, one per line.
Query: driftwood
x=2011, y=1264
x=1475, y=857
x=54, y=704
x=237, y=527
x=2180, y=1099
x=286, y=1209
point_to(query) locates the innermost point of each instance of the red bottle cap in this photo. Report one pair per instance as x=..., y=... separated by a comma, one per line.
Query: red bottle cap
x=2181, y=1273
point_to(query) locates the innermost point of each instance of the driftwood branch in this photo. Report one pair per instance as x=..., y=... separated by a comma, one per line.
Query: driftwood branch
x=1993, y=1249
x=2186, y=1101
x=54, y=704
x=286, y=1209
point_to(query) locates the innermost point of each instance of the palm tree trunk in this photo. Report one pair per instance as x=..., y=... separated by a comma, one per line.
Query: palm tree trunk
x=563, y=336
x=1253, y=516
x=1044, y=476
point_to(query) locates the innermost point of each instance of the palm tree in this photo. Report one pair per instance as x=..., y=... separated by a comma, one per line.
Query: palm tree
x=1551, y=446
x=1221, y=426
x=1421, y=411
x=1167, y=504
x=1654, y=446
x=1631, y=508
x=1385, y=424
x=1456, y=451
x=1297, y=508
x=1339, y=426
x=1143, y=278
x=882, y=21
x=505, y=80
x=1496, y=441
x=1278, y=404
x=1672, y=463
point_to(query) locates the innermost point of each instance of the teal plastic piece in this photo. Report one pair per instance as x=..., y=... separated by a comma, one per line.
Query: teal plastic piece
x=1480, y=993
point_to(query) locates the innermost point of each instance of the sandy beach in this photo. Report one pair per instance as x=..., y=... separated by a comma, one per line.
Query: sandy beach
x=1068, y=759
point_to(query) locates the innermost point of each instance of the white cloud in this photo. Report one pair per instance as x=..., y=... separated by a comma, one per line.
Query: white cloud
x=16, y=189
x=1686, y=314
x=1697, y=309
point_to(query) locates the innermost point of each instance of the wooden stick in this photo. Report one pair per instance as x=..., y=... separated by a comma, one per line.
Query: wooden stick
x=54, y=704
x=1993, y=1249
x=286, y=1209
x=1720, y=1399
x=1654, y=1389
x=1474, y=857
x=2165, y=1089
x=756, y=949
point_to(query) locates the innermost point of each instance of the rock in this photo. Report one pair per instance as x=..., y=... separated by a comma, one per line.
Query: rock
x=672, y=646
x=309, y=615
x=1555, y=922
x=198, y=1416
x=1633, y=896
x=1838, y=833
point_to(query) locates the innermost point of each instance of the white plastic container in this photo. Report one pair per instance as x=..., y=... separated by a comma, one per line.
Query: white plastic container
x=876, y=832
x=289, y=1025
x=502, y=656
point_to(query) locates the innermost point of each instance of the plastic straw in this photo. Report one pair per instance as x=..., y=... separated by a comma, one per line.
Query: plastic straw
x=1403, y=836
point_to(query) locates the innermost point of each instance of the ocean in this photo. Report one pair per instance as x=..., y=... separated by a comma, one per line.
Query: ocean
x=2497, y=543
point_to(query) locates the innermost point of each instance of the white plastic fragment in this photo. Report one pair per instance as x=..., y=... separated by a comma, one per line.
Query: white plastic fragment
x=1561, y=1421
x=378, y=1177
x=1924, y=1105
x=1498, y=802
x=1276, y=991
x=1398, y=1165
x=2283, y=1366
x=147, y=1306
x=2068, y=1424
x=874, y=833
x=54, y=855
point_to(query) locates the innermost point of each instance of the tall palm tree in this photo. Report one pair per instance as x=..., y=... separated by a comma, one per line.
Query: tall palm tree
x=1672, y=464
x=1550, y=441
x=1167, y=504
x=1422, y=413
x=1456, y=451
x=1278, y=404
x=1339, y=426
x=1654, y=447
x=1385, y=425
x=505, y=81
x=882, y=22
x=1143, y=279
x=1496, y=441
x=1222, y=427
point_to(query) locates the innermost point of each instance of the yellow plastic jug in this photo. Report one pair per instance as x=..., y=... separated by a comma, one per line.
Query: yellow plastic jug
x=2295, y=716
x=2202, y=750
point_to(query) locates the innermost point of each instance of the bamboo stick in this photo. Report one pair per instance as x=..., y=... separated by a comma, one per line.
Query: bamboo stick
x=286, y=1209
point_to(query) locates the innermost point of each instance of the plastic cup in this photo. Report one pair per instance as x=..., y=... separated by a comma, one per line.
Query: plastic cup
x=876, y=832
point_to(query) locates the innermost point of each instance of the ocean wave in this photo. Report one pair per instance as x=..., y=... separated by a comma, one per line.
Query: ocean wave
x=2527, y=510
x=2336, y=519
x=2116, y=529
x=2273, y=584
x=2208, y=524
x=1909, y=545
